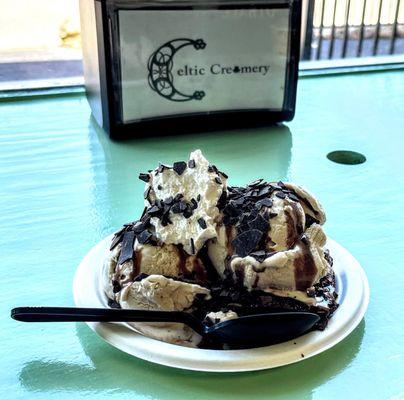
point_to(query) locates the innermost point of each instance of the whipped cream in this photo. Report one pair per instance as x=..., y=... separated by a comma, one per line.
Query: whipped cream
x=199, y=184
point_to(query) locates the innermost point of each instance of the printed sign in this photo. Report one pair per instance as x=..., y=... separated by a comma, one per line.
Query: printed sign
x=182, y=61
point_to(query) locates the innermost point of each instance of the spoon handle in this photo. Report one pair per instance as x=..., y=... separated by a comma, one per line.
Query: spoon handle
x=73, y=314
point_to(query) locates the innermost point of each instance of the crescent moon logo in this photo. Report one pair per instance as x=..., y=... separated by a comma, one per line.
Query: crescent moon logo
x=160, y=65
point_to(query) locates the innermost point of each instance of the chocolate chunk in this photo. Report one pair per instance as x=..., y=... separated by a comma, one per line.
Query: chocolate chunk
x=213, y=168
x=159, y=187
x=127, y=247
x=233, y=220
x=223, y=174
x=272, y=215
x=159, y=203
x=165, y=221
x=276, y=187
x=202, y=223
x=281, y=184
x=239, y=202
x=115, y=241
x=264, y=191
x=293, y=197
x=146, y=220
x=122, y=230
x=116, y=287
x=183, y=206
x=176, y=208
x=147, y=192
x=168, y=200
x=179, y=167
x=194, y=204
x=253, y=213
x=255, y=183
x=218, y=180
x=198, y=198
x=259, y=223
x=138, y=227
x=113, y=304
x=246, y=242
x=265, y=203
x=252, y=193
x=143, y=213
x=243, y=228
x=281, y=195
x=310, y=220
x=191, y=163
x=233, y=209
x=154, y=211
x=188, y=212
x=222, y=200
x=226, y=220
x=144, y=237
x=245, y=219
x=179, y=207
x=144, y=177
x=192, y=246
x=178, y=197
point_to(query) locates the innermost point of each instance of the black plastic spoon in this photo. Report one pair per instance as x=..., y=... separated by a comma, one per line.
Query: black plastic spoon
x=243, y=332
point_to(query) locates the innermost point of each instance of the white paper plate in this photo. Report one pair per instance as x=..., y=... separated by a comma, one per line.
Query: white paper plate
x=353, y=298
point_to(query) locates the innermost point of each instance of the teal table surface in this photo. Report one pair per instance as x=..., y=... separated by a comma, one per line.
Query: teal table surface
x=64, y=186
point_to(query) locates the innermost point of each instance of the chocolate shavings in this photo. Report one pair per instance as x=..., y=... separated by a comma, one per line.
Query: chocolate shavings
x=259, y=223
x=144, y=177
x=147, y=192
x=202, y=223
x=127, y=247
x=246, y=242
x=179, y=167
x=144, y=237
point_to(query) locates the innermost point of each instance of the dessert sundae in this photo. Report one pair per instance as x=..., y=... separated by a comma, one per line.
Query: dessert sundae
x=219, y=251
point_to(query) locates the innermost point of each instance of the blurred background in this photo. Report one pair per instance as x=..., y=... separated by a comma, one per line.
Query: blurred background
x=40, y=41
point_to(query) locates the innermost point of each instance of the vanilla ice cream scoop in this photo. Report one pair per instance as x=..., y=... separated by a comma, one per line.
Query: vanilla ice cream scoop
x=129, y=259
x=184, y=201
x=156, y=292
x=271, y=239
